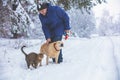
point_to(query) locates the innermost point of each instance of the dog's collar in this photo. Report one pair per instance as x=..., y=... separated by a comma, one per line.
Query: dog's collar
x=55, y=47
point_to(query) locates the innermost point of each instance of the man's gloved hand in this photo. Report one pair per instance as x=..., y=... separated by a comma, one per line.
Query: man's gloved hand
x=48, y=41
x=66, y=36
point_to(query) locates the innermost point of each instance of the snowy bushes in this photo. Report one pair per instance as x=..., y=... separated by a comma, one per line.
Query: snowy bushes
x=109, y=25
x=82, y=24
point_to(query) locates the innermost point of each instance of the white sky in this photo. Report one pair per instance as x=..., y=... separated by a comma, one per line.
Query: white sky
x=113, y=6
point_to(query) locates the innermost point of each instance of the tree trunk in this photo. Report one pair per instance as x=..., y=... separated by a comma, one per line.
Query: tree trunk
x=5, y=21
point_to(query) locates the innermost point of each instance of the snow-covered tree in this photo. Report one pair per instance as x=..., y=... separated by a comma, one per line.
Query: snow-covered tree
x=20, y=24
x=109, y=25
x=24, y=21
x=79, y=4
x=5, y=21
x=82, y=24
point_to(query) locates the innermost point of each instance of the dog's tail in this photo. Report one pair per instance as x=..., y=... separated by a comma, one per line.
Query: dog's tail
x=23, y=50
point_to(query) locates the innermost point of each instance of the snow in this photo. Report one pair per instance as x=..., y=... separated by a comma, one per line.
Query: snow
x=24, y=14
x=84, y=59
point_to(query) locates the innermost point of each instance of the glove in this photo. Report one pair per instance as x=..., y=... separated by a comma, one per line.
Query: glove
x=48, y=41
x=66, y=36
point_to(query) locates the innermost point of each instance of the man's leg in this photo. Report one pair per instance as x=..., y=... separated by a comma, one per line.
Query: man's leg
x=60, y=58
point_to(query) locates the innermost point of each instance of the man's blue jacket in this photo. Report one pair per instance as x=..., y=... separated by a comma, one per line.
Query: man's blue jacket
x=55, y=22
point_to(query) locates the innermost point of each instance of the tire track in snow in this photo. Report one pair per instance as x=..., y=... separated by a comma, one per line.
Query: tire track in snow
x=101, y=62
x=85, y=59
x=92, y=58
x=114, y=57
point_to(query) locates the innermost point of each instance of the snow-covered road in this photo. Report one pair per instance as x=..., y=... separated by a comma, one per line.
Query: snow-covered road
x=84, y=59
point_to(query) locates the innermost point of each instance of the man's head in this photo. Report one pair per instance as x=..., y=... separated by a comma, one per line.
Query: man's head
x=42, y=8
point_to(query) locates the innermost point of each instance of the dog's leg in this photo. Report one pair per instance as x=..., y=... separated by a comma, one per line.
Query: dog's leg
x=56, y=60
x=47, y=60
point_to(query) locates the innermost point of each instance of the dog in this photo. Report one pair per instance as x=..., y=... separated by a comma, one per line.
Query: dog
x=32, y=58
x=51, y=50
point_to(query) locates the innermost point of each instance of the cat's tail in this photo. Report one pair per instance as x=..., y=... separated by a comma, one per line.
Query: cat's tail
x=23, y=50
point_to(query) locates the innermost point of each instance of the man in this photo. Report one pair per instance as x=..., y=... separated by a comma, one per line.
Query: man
x=55, y=22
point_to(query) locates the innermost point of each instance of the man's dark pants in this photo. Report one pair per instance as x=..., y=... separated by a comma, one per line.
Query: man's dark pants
x=58, y=38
